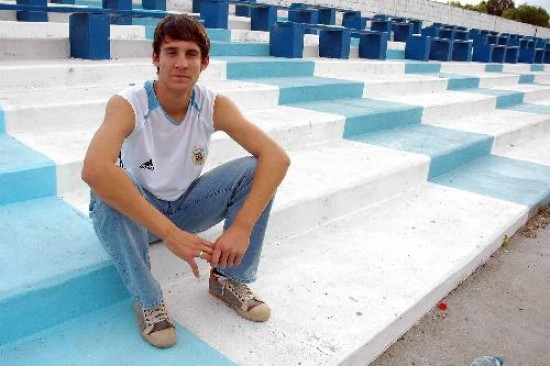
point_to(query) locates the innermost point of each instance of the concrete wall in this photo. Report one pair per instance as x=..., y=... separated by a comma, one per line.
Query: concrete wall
x=430, y=11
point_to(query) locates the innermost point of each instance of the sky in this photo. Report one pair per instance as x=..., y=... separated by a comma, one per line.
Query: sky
x=545, y=4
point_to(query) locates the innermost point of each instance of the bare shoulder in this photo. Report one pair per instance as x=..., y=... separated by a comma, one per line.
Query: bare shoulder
x=227, y=114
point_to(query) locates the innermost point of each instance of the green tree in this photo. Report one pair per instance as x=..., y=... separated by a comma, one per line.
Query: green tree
x=498, y=7
x=528, y=14
x=481, y=7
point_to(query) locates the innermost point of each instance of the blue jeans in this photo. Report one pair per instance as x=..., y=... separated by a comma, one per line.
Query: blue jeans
x=211, y=198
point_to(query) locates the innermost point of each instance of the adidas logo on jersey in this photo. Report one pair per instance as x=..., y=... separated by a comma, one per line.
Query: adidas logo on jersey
x=148, y=165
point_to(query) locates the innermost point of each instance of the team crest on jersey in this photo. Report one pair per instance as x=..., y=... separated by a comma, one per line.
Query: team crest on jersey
x=198, y=156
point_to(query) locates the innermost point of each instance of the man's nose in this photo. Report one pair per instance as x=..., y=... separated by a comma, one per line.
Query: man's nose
x=182, y=62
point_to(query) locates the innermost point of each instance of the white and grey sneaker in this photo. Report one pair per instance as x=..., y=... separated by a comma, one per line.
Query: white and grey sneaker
x=239, y=296
x=155, y=325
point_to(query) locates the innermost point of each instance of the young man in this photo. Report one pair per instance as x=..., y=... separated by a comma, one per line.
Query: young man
x=144, y=164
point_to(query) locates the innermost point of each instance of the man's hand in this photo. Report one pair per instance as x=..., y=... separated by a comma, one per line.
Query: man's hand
x=188, y=246
x=230, y=247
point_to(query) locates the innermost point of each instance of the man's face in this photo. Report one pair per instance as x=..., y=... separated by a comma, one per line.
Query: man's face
x=179, y=64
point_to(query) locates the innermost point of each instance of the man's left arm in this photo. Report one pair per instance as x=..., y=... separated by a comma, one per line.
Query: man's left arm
x=272, y=164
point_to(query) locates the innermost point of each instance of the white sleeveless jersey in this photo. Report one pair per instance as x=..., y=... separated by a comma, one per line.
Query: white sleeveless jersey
x=164, y=156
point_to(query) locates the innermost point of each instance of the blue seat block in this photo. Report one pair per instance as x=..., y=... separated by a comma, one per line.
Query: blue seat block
x=308, y=16
x=417, y=25
x=499, y=54
x=66, y=2
x=539, y=56
x=352, y=19
x=441, y=49
x=461, y=35
x=462, y=50
x=119, y=5
x=196, y=6
x=327, y=16
x=546, y=58
x=447, y=33
x=482, y=52
x=380, y=26
x=335, y=43
x=380, y=17
x=154, y=4
x=526, y=55
x=215, y=13
x=32, y=16
x=503, y=40
x=243, y=10
x=373, y=45
x=263, y=17
x=299, y=6
x=286, y=39
x=418, y=48
x=512, y=55
x=430, y=32
x=89, y=36
x=402, y=31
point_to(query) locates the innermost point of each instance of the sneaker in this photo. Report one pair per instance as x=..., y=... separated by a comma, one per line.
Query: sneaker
x=155, y=325
x=239, y=296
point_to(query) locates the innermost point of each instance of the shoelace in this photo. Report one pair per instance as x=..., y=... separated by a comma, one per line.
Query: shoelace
x=156, y=314
x=239, y=289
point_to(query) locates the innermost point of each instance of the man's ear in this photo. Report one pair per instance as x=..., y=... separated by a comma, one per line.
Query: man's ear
x=205, y=62
x=155, y=59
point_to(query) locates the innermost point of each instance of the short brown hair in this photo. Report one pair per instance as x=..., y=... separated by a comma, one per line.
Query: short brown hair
x=184, y=28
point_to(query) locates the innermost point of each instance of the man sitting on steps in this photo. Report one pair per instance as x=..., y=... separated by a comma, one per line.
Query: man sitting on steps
x=144, y=168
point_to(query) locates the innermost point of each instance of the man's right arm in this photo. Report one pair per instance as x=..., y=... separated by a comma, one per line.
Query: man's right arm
x=112, y=185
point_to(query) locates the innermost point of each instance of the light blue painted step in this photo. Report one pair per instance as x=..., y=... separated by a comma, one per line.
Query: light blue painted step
x=24, y=174
x=505, y=98
x=447, y=148
x=106, y=337
x=530, y=108
x=304, y=89
x=56, y=267
x=421, y=67
x=504, y=178
x=494, y=67
x=266, y=67
x=393, y=54
x=455, y=81
x=367, y=115
x=218, y=48
x=526, y=78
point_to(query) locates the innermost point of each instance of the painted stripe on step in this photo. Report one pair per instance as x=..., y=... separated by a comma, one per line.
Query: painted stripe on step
x=2, y=124
x=446, y=148
x=531, y=108
x=266, y=67
x=239, y=49
x=395, y=54
x=24, y=174
x=504, y=178
x=457, y=82
x=494, y=68
x=58, y=270
x=368, y=115
x=412, y=67
x=505, y=98
x=108, y=337
x=526, y=79
x=305, y=89
x=537, y=67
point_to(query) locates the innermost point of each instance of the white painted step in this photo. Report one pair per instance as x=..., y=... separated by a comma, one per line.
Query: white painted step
x=453, y=67
x=342, y=68
x=323, y=183
x=292, y=128
x=26, y=109
x=534, y=147
x=22, y=74
x=508, y=128
x=345, y=292
x=446, y=104
x=14, y=29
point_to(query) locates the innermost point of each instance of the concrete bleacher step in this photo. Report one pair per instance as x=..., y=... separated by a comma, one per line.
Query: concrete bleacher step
x=373, y=174
x=349, y=313
x=13, y=29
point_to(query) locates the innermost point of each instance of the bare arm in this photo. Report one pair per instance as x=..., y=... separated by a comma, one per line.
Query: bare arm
x=271, y=168
x=115, y=188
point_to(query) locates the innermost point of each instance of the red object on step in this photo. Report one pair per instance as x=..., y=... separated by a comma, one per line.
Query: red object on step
x=442, y=306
